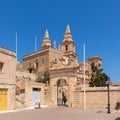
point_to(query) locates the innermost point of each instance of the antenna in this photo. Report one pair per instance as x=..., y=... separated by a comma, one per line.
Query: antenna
x=84, y=77
x=35, y=43
x=16, y=46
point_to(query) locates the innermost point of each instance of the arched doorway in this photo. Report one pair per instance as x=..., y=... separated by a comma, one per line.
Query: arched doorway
x=62, y=89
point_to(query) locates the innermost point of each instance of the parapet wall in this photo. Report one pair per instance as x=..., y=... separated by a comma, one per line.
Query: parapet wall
x=97, y=97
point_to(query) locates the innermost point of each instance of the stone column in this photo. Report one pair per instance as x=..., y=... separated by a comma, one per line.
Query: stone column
x=71, y=84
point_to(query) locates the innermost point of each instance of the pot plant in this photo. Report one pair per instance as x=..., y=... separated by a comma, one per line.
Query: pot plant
x=30, y=69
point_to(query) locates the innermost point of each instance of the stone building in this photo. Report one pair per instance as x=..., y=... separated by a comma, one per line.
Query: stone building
x=7, y=79
x=66, y=73
x=38, y=61
x=28, y=92
x=18, y=88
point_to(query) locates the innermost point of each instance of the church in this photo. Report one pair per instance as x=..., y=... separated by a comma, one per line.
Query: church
x=66, y=72
x=19, y=88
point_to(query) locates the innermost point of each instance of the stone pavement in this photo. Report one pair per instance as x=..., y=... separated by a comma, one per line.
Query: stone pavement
x=59, y=113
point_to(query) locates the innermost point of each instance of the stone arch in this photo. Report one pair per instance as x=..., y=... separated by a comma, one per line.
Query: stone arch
x=62, y=90
x=61, y=82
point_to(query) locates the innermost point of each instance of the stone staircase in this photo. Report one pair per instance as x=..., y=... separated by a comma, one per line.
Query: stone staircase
x=20, y=104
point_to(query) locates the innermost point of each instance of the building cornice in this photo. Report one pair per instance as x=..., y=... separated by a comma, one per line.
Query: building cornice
x=7, y=52
x=35, y=53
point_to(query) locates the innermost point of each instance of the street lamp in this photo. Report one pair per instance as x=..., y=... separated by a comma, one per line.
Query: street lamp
x=108, y=90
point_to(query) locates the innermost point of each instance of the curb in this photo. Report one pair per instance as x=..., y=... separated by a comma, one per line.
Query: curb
x=22, y=109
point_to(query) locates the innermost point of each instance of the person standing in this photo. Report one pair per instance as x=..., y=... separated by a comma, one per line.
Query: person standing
x=64, y=100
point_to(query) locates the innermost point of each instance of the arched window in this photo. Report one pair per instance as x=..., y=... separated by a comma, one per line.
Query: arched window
x=61, y=82
x=1, y=66
x=66, y=47
x=36, y=63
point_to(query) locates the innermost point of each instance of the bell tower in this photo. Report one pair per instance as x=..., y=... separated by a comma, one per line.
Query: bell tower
x=46, y=41
x=68, y=45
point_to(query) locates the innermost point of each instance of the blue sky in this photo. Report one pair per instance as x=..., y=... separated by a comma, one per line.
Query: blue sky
x=93, y=22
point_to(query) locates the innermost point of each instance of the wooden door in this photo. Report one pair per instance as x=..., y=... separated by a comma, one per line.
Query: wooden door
x=3, y=99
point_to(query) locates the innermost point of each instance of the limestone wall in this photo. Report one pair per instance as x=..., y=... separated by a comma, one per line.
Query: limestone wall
x=27, y=82
x=11, y=97
x=9, y=66
x=97, y=97
x=47, y=94
x=23, y=75
x=30, y=60
x=71, y=96
x=7, y=75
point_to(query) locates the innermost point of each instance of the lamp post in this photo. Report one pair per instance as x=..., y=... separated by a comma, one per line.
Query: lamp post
x=108, y=90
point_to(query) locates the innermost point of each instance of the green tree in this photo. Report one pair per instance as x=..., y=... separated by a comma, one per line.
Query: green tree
x=98, y=77
x=43, y=77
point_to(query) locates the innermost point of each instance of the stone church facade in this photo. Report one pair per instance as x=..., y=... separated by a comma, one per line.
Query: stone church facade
x=18, y=88
x=66, y=73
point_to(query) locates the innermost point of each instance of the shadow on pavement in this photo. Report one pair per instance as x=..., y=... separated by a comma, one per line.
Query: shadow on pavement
x=117, y=118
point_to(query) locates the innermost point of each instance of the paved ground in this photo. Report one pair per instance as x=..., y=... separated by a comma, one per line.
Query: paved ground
x=59, y=113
